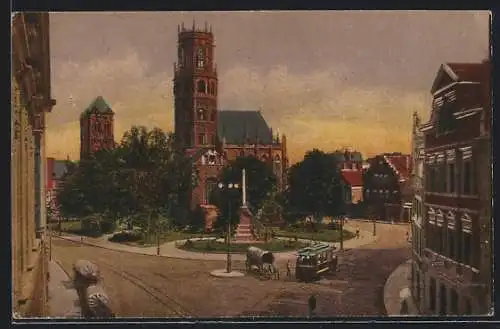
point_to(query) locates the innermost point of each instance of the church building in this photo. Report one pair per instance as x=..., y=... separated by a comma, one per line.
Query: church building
x=210, y=136
x=96, y=127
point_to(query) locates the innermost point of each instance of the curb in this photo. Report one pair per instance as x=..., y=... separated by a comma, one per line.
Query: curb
x=371, y=240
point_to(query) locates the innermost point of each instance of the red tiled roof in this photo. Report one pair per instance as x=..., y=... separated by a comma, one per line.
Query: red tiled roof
x=401, y=164
x=353, y=177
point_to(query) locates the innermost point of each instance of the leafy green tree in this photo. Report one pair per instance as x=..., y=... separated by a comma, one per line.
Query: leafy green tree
x=315, y=187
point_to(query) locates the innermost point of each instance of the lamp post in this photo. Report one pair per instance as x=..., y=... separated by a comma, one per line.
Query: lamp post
x=374, y=227
x=342, y=232
x=229, y=187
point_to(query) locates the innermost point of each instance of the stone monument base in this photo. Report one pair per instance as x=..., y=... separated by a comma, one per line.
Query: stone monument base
x=224, y=274
x=244, y=232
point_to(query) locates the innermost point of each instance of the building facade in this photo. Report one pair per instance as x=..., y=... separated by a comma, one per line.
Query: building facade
x=31, y=100
x=386, y=186
x=457, y=259
x=212, y=137
x=96, y=127
x=56, y=169
x=417, y=213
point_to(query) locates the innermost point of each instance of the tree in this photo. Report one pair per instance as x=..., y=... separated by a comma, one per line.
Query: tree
x=315, y=186
x=260, y=181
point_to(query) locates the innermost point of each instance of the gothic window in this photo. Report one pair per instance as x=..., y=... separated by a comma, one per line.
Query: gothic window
x=181, y=57
x=202, y=114
x=202, y=87
x=201, y=58
x=211, y=89
x=213, y=138
x=210, y=187
x=202, y=139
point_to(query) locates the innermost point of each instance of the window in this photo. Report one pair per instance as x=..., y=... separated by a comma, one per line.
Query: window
x=202, y=87
x=467, y=177
x=202, y=114
x=441, y=233
x=446, y=120
x=212, y=116
x=454, y=302
x=451, y=235
x=202, y=139
x=466, y=252
x=432, y=295
x=201, y=58
x=468, y=306
x=451, y=177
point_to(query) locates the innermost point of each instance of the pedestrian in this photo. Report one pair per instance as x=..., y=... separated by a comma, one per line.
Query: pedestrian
x=312, y=305
x=357, y=232
x=288, y=270
x=407, y=235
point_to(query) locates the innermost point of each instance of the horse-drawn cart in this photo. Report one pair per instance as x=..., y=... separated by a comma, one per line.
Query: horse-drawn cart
x=263, y=260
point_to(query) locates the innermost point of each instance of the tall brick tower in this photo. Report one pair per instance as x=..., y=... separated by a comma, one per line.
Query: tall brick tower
x=96, y=127
x=195, y=88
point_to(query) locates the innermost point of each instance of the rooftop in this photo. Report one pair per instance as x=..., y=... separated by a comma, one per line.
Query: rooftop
x=98, y=106
x=243, y=127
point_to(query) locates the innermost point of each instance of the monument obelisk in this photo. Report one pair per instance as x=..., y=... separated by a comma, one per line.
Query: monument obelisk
x=244, y=228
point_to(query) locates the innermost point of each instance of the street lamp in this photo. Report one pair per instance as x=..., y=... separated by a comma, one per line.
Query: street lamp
x=374, y=227
x=230, y=187
x=342, y=232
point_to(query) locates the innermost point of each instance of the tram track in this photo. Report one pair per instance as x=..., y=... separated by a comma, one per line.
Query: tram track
x=157, y=294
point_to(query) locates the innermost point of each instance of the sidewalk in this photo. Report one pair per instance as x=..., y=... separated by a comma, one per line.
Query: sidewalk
x=398, y=289
x=63, y=299
x=170, y=250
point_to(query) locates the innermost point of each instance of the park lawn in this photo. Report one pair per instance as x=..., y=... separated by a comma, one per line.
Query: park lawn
x=70, y=226
x=327, y=235
x=211, y=246
x=169, y=237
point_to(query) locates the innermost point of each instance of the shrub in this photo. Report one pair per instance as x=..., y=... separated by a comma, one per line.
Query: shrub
x=126, y=236
x=108, y=226
x=209, y=246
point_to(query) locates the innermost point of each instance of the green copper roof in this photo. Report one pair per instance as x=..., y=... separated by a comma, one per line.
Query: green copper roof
x=98, y=106
x=243, y=127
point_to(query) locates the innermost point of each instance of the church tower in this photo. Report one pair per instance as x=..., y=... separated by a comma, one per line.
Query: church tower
x=96, y=127
x=195, y=88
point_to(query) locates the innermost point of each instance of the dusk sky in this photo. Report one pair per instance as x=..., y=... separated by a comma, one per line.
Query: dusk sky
x=326, y=79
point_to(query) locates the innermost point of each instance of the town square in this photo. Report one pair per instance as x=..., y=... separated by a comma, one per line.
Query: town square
x=321, y=164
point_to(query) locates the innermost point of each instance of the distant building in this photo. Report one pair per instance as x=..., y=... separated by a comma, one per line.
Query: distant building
x=386, y=186
x=418, y=213
x=96, y=127
x=30, y=101
x=457, y=259
x=212, y=137
x=353, y=182
x=56, y=169
x=348, y=159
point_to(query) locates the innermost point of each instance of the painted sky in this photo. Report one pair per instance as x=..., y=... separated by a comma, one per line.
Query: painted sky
x=326, y=79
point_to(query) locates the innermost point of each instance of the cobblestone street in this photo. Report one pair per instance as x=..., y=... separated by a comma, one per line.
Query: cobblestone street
x=147, y=286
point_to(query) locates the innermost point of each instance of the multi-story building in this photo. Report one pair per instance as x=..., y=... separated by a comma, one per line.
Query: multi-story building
x=457, y=258
x=417, y=213
x=386, y=186
x=56, y=169
x=212, y=137
x=96, y=127
x=348, y=159
x=31, y=100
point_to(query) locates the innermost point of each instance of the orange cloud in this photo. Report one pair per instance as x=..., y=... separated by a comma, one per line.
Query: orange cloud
x=316, y=110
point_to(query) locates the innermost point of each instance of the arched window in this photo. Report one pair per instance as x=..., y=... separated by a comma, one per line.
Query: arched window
x=202, y=87
x=210, y=187
x=201, y=58
x=202, y=114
